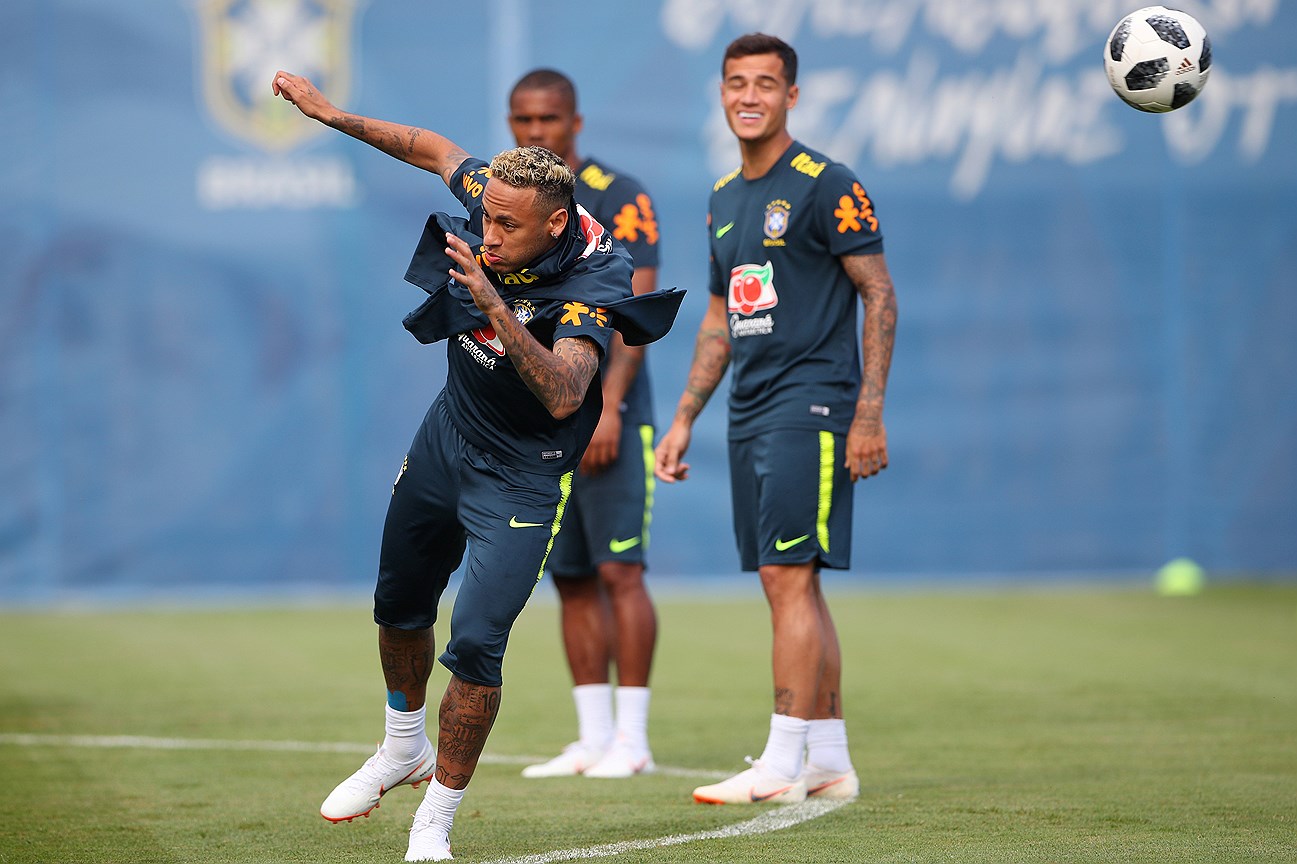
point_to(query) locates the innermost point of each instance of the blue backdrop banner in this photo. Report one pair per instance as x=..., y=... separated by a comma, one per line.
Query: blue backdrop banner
x=205, y=386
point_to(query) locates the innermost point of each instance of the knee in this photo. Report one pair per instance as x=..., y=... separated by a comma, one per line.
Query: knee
x=621, y=577
x=577, y=590
x=788, y=584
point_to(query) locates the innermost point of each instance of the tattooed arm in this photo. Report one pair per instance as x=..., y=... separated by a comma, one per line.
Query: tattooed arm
x=711, y=359
x=559, y=378
x=867, y=438
x=419, y=147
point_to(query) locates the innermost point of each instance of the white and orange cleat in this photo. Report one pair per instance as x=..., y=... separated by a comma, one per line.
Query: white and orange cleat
x=359, y=793
x=833, y=785
x=622, y=760
x=757, y=785
x=575, y=759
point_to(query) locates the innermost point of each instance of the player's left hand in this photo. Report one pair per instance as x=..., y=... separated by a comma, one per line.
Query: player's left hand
x=470, y=275
x=866, y=448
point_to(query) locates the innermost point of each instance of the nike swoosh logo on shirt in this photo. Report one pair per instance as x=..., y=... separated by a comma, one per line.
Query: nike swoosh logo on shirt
x=514, y=523
x=781, y=545
x=723, y=230
x=616, y=546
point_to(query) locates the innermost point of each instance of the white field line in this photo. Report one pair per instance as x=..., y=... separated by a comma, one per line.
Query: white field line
x=147, y=743
x=776, y=819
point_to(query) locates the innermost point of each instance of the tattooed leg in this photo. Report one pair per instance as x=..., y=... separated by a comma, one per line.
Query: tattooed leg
x=467, y=714
x=406, y=656
x=828, y=699
x=799, y=645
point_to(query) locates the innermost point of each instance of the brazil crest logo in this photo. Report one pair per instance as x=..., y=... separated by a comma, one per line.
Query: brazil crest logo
x=245, y=41
x=776, y=222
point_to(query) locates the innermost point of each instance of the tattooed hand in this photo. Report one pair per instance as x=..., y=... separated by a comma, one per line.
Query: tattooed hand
x=302, y=93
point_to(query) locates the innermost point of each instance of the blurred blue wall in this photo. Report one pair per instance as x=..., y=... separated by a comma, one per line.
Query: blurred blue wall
x=204, y=384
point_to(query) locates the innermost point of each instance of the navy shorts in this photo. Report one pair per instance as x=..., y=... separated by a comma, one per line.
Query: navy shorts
x=792, y=499
x=608, y=516
x=451, y=496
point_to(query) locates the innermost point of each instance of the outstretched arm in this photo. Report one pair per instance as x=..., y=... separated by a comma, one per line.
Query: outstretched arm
x=867, y=438
x=419, y=147
x=711, y=359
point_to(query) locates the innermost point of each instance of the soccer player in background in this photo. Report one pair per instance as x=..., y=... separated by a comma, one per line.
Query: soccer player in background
x=598, y=558
x=794, y=240
x=526, y=292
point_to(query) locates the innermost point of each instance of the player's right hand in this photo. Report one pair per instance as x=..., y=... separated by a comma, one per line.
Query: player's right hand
x=670, y=450
x=302, y=93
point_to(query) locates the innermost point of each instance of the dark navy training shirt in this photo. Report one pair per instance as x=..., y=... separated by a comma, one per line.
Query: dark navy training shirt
x=775, y=243
x=619, y=203
x=488, y=401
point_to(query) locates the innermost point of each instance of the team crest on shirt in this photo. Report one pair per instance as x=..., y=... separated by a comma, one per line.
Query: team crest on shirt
x=752, y=289
x=776, y=223
x=524, y=311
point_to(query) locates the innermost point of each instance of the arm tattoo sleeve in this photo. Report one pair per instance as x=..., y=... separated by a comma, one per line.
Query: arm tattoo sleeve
x=869, y=274
x=711, y=359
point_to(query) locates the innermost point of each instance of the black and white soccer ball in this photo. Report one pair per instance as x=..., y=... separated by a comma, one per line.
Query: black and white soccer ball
x=1157, y=59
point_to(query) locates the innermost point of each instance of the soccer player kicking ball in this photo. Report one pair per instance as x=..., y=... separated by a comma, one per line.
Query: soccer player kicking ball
x=794, y=240
x=527, y=292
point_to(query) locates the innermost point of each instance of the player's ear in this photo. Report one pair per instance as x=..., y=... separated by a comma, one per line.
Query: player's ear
x=578, y=123
x=792, y=96
x=557, y=223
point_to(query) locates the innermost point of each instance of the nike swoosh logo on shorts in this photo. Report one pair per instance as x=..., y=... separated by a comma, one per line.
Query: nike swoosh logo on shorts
x=514, y=523
x=616, y=546
x=781, y=545
x=723, y=230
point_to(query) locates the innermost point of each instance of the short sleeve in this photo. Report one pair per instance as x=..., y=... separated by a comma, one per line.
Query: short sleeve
x=635, y=222
x=845, y=214
x=575, y=318
x=469, y=182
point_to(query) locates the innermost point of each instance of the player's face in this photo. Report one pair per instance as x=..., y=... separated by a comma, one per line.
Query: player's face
x=515, y=230
x=756, y=96
x=543, y=118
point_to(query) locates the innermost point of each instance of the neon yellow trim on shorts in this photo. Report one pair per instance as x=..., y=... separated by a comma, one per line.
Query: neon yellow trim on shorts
x=565, y=488
x=650, y=480
x=827, y=462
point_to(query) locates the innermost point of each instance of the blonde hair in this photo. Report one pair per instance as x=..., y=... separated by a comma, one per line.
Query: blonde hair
x=539, y=169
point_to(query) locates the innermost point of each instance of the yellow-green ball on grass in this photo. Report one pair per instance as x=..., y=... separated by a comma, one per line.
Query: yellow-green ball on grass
x=1181, y=577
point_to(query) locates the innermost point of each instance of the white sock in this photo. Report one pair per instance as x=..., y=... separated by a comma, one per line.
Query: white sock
x=826, y=745
x=594, y=715
x=632, y=716
x=439, y=805
x=786, y=745
x=406, y=732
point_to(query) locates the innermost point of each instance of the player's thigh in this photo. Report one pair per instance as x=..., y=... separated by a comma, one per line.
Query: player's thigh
x=423, y=541
x=792, y=499
x=613, y=509
x=570, y=556
x=512, y=519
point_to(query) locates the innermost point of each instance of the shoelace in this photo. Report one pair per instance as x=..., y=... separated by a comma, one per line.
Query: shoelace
x=422, y=819
x=368, y=774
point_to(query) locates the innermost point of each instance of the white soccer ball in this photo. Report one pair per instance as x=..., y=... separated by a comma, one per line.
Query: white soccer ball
x=1157, y=59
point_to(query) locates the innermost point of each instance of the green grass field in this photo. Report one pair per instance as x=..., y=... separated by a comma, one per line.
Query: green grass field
x=1087, y=724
